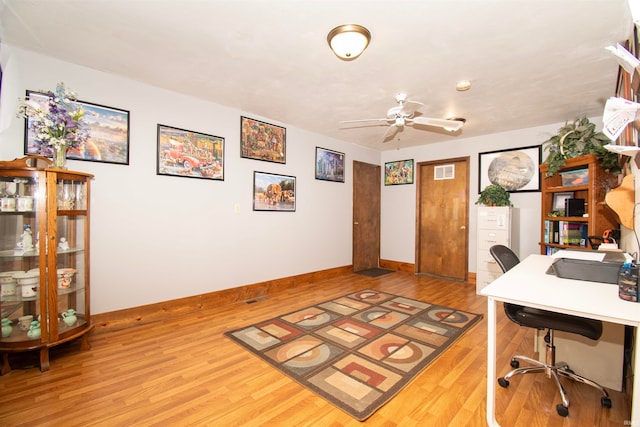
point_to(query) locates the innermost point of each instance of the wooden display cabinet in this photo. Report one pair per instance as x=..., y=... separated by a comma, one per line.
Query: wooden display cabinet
x=598, y=216
x=50, y=204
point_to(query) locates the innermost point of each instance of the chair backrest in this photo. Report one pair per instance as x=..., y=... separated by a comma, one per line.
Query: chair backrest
x=541, y=319
x=504, y=256
x=507, y=259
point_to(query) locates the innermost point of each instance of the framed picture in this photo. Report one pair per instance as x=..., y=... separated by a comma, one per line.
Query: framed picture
x=273, y=192
x=329, y=165
x=516, y=170
x=559, y=200
x=190, y=154
x=262, y=141
x=398, y=172
x=108, y=129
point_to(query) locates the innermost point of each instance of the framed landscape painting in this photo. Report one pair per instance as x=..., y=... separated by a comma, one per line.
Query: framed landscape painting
x=190, y=154
x=516, y=170
x=329, y=165
x=108, y=129
x=262, y=141
x=272, y=192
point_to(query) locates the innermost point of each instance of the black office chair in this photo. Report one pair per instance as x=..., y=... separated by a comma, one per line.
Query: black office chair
x=542, y=319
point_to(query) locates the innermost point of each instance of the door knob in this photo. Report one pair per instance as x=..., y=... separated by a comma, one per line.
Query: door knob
x=356, y=223
x=462, y=227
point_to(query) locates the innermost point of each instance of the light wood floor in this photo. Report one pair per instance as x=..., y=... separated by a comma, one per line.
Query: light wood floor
x=184, y=372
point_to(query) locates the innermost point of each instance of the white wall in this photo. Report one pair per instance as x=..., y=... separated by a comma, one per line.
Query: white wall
x=398, y=202
x=629, y=241
x=156, y=238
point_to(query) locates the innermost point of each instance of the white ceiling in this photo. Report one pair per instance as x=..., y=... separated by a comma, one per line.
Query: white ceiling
x=531, y=62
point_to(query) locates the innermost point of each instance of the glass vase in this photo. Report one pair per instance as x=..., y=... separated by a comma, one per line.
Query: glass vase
x=60, y=156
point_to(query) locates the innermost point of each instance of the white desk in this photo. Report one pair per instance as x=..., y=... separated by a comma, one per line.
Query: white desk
x=528, y=284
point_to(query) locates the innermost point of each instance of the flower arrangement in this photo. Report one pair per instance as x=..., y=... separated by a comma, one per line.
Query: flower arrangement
x=59, y=123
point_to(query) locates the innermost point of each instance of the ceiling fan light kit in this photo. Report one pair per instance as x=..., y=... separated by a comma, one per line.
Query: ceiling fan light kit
x=348, y=41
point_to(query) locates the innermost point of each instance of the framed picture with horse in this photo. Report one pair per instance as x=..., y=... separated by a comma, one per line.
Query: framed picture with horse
x=272, y=192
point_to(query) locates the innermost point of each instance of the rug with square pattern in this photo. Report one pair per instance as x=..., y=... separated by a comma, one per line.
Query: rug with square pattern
x=359, y=350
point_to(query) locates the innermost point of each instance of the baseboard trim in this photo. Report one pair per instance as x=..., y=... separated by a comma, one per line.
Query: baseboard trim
x=141, y=315
x=411, y=268
x=397, y=265
x=471, y=278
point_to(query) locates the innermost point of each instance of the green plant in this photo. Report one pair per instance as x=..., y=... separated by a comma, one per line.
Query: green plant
x=494, y=195
x=577, y=139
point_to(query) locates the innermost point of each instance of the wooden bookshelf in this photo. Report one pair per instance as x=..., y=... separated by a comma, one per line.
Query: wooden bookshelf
x=598, y=216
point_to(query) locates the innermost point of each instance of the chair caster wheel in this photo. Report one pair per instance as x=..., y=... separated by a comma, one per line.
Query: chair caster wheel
x=515, y=364
x=606, y=402
x=562, y=410
x=503, y=382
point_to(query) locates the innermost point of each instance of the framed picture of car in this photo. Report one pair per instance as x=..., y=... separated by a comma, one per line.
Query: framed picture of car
x=190, y=154
x=272, y=192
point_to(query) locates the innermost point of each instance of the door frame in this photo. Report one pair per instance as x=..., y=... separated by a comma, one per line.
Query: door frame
x=371, y=259
x=467, y=162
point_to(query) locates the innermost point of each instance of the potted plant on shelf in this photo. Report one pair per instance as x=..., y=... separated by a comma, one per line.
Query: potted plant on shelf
x=494, y=195
x=576, y=139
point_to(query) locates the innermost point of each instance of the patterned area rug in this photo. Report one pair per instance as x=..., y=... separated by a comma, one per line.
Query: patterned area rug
x=359, y=350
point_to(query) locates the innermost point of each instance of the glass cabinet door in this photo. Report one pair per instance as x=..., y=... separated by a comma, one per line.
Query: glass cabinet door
x=71, y=257
x=22, y=299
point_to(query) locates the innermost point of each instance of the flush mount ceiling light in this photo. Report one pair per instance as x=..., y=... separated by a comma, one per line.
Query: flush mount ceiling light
x=349, y=41
x=463, y=85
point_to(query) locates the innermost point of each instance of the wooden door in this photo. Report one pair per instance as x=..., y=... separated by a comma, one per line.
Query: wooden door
x=442, y=241
x=366, y=216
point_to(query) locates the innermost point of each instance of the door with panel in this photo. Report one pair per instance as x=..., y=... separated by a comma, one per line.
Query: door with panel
x=366, y=216
x=442, y=238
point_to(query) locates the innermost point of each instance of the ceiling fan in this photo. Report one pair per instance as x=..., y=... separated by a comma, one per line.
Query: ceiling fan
x=403, y=114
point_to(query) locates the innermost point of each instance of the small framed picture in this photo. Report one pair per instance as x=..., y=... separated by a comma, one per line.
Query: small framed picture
x=329, y=165
x=262, y=141
x=189, y=154
x=398, y=172
x=272, y=192
x=108, y=129
x=559, y=200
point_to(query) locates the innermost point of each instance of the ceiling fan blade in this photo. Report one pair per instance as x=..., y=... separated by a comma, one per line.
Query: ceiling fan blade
x=410, y=107
x=367, y=122
x=390, y=133
x=451, y=125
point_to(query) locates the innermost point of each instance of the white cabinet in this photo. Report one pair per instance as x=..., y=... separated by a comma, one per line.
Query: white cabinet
x=494, y=228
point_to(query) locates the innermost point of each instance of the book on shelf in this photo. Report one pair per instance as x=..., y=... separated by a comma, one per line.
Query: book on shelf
x=566, y=233
x=547, y=224
x=551, y=251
